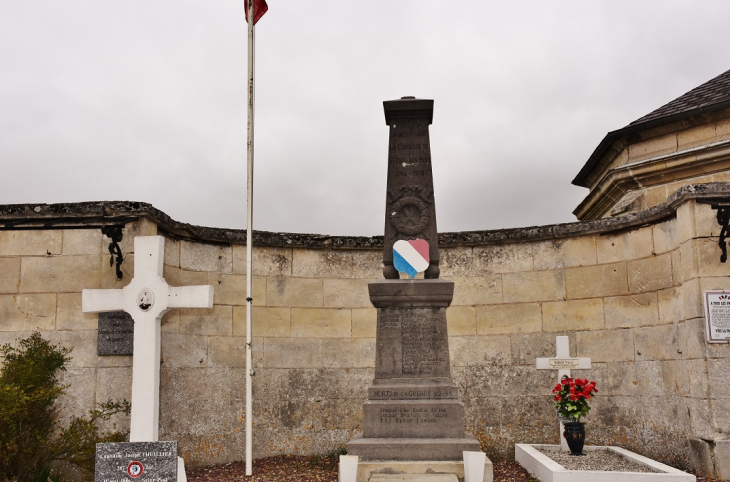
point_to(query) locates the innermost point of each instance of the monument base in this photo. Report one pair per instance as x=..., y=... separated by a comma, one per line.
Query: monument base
x=365, y=470
x=412, y=449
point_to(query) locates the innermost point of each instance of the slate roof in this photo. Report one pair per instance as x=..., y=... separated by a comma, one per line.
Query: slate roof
x=712, y=92
x=711, y=96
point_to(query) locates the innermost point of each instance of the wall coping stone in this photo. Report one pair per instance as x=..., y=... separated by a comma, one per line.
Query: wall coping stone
x=75, y=215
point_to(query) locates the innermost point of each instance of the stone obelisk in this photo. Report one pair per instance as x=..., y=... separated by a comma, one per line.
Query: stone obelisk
x=412, y=412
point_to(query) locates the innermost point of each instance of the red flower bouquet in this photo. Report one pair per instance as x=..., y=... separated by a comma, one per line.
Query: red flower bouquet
x=572, y=397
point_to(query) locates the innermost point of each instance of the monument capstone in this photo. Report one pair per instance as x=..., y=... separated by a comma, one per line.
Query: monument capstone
x=413, y=412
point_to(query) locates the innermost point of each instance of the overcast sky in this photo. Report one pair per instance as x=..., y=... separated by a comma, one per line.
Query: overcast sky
x=144, y=100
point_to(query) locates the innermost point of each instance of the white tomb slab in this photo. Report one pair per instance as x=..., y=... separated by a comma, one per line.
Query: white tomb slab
x=147, y=298
x=563, y=363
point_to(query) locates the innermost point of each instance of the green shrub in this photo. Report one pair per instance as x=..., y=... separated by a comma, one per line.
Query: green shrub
x=30, y=438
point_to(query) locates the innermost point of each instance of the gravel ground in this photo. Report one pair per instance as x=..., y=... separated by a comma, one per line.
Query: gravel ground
x=292, y=468
x=602, y=460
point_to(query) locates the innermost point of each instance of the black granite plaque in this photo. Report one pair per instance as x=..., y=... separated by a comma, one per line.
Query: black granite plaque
x=140, y=461
x=116, y=334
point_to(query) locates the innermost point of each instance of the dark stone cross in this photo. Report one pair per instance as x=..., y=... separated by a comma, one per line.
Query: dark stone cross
x=410, y=211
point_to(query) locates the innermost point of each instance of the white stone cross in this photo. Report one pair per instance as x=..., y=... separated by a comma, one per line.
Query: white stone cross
x=146, y=298
x=563, y=364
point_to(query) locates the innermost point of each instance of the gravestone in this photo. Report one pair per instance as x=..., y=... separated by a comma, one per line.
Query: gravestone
x=563, y=363
x=116, y=334
x=146, y=299
x=413, y=412
x=141, y=461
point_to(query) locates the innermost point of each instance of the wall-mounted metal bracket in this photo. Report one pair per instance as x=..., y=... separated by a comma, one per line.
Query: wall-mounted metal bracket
x=115, y=234
x=723, y=218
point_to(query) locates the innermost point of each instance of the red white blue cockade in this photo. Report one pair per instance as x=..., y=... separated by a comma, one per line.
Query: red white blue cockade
x=411, y=257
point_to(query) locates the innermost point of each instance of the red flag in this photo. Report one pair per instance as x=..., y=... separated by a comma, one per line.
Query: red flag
x=259, y=9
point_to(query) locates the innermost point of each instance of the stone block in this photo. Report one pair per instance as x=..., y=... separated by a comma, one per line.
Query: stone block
x=650, y=274
x=170, y=322
x=28, y=312
x=656, y=196
x=349, y=353
x=718, y=370
x=114, y=383
x=513, y=318
x=526, y=348
x=206, y=321
x=482, y=290
x=677, y=376
x=696, y=136
x=184, y=350
x=480, y=350
x=61, y=274
x=322, y=263
x=692, y=303
x=346, y=293
x=700, y=412
x=686, y=228
x=461, y=320
x=78, y=398
x=706, y=222
x=533, y=286
x=143, y=227
x=677, y=275
x=625, y=246
x=364, y=322
x=631, y=311
x=196, y=256
x=563, y=253
x=293, y=353
x=575, y=315
x=320, y=323
x=267, y=261
x=9, y=275
x=180, y=277
x=83, y=343
x=670, y=305
x=606, y=346
x=172, y=252
x=708, y=258
x=83, y=241
x=653, y=147
x=31, y=243
x=692, y=338
x=368, y=264
x=505, y=258
x=722, y=132
x=456, y=262
x=69, y=315
x=230, y=289
x=698, y=380
x=230, y=351
x=597, y=281
x=656, y=343
x=109, y=278
x=294, y=292
x=265, y=321
x=722, y=458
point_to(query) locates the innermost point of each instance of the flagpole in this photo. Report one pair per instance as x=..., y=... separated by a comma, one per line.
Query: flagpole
x=249, y=243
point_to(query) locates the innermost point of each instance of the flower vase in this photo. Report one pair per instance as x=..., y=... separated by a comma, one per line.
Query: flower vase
x=575, y=435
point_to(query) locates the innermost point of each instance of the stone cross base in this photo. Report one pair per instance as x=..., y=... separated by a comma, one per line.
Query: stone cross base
x=413, y=411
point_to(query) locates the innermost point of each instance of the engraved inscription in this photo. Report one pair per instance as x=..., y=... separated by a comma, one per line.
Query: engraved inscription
x=116, y=334
x=414, y=416
x=423, y=343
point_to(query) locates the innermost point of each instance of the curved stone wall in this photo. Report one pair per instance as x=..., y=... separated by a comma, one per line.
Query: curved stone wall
x=626, y=290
